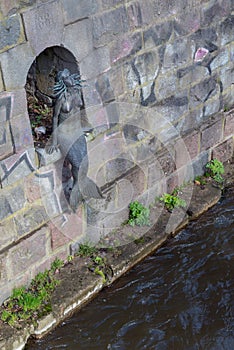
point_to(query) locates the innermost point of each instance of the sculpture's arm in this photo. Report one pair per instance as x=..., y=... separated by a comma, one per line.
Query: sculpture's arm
x=54, y=146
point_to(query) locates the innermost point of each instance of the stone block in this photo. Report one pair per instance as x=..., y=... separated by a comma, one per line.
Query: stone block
x=116, y=80
x=74, y=11
x=103, y=151
x=166, y=85
x=214, y=12
x=108, y=25
x=28, y=252
x=6, y=144
x=58, y=238
x=117, y=167
x=173, y=108
x=104, y=88
x=199, y=163
x=5, y=107
x=188, y=17
x=228, y=97
x=134, y=15
x=15, y=65
x=125, y=46
x=137, y=179
x=191, y=75
x=11, y=32
x=108, y=224
x=97, y=210
x=182, y=154
x=21, y=133
x=8, y=233
x=213, y=105
x=224, y=151
x=229, y=124
x=226, y=30
x=157, y=10
x=172, y=182
x=220, y=60
x=44, y=19
x=202, y=91
x=142, y=71
x=157, y=35
x=11, y=200
x=45, y=158
x=19, y=103
x=6, y=287
x=227, y=76
x=192, y=143
x=211, y=135
x=4, y=267
x=67, y=228
x=54, y=205
x=1, y=82
x=178, y=53
x=91, y=97
x=166, y=160
x=155, y=174
x=107, y=4
x=78, y=38
x=32, y=188
x=8, y=6
x=17, y=166
x=97, y=62
x=134, y=133
x=112, y=110
x=192, y=120
x=206, y=38
x=30, y=219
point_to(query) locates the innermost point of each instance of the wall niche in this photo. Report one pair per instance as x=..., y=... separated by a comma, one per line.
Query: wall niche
x=39, y=89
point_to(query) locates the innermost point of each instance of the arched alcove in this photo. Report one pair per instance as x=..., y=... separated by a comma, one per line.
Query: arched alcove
x=39, y=88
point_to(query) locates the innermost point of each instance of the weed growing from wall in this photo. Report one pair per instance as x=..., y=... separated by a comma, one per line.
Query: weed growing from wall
x=215, y=170
x=138, y=214
x=29, y=304
x=172, y=201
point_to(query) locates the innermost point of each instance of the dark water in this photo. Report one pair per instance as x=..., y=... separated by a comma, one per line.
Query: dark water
x=180, y=298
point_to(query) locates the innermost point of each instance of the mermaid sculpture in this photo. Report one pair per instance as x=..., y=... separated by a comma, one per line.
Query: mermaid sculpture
x=69, y=136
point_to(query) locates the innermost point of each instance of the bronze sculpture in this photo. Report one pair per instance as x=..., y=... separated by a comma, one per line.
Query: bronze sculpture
x=69, y=136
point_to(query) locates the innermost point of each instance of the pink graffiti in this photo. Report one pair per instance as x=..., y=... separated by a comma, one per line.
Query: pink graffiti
x=200, y=54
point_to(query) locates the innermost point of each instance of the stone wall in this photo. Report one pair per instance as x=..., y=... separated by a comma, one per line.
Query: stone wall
x=159, y=92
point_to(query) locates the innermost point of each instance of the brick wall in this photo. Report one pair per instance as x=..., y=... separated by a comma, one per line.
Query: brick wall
x=159, y=94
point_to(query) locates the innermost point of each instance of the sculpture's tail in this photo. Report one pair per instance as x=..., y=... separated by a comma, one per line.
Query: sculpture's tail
x=88, y=189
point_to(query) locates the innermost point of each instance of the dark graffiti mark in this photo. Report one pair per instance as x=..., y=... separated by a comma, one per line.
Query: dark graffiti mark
x=6, y=102
x=151, y=98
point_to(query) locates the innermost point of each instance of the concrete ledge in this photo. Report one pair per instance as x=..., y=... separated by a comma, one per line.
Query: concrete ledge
x=79, y=285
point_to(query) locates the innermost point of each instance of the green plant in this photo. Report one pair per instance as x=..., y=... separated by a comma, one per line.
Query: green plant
x=139, y=240
x=56, y=265
x=172, y=201
x=99, y=272
x=34, y=301
x=99, y=260
x=70, y=258
x=199, y=180
x=86, y=250
x=138, y=214
x=215, y=169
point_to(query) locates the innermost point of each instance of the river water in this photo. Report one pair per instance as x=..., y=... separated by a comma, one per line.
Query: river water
x=179, y=298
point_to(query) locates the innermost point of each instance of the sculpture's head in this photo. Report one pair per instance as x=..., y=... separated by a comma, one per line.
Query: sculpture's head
x=65, y=80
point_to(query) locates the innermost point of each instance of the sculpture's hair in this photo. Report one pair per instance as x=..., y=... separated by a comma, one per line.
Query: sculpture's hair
x=60, y=87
